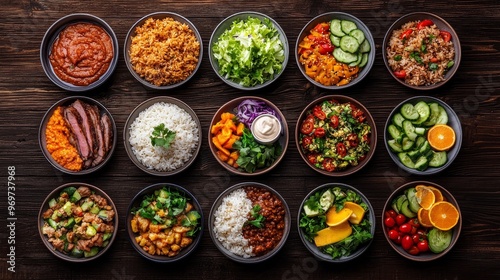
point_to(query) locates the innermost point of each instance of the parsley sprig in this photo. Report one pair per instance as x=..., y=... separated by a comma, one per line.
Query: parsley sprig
x=162, y=136
x=258, y=219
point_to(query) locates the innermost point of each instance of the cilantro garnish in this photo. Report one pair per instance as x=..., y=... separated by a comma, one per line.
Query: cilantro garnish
x=162, y=136
x=258, y=219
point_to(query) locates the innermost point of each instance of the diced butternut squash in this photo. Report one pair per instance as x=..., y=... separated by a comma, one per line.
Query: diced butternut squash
x=229, y=143
x=234, y=155
x=230, y=124
x=357, y=212
x=224, y=135
x=222, y=156
x=334, y=218
x=333, y=234
x=219, y=146
x=226, y=116
x=239, y=129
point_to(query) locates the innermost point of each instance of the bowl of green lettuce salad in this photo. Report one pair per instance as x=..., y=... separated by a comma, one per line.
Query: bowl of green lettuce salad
x=248, y=50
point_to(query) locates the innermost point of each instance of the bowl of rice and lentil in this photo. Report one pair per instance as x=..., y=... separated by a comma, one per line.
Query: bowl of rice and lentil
x=163, y=50
x=421, y=51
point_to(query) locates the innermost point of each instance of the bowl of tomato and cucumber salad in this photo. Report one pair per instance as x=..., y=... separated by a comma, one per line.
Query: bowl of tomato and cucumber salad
x=248, y=136
x=336, y=222
x=421, y=221
x=336, y=135
x=423, y=135
x=335, y=50
x=78, y=222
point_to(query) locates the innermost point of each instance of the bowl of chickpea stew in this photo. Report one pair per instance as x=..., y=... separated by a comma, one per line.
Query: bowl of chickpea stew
x=164, y=222
x=249, y=222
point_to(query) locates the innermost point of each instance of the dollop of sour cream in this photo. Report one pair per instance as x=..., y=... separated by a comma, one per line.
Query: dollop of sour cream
x=266, y=128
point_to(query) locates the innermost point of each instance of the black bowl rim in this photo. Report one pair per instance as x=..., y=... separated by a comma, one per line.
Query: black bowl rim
x=186, y=251
x=457, y=126
x=64, y=256
x=456, y=230
x=313, y=249
x=442, y=25
x=160, y=15
x=152, y=101
x=53, y=32
x=373, y=138
x=252, y=260
x=365, y=71
x=283, y=140
x=240, y=15
x=43, y=126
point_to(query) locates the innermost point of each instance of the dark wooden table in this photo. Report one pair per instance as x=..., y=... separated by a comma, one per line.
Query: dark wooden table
x=26, y=94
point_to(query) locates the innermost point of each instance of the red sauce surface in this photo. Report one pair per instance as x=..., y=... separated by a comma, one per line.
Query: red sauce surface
x=81, y=54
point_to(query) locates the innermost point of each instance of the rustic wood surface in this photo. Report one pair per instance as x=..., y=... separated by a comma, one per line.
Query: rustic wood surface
x=26, y=93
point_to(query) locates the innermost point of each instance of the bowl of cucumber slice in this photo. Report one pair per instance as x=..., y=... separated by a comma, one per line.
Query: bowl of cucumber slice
x=342, y=45
x=410, y=135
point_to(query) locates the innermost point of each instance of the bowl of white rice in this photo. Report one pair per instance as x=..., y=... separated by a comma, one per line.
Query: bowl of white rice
x=249, y=222
x=162, y=136
x=421, y=51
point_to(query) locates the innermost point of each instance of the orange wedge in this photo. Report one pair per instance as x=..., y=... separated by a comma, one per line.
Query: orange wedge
x=423, y=218
x=441, y=137
x=425, y=196
x=437, y=193
x=443, y=215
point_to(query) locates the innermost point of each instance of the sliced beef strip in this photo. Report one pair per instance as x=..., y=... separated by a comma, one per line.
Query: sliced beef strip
x=72, y=118
x=95, y=119
x=107, y=131
x=86, y=124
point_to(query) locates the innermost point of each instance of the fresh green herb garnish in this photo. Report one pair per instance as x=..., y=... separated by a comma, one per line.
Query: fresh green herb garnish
x=258, y=219
x=162, y=136
x=398, y=57
x=450, y=64
x=416, y=56
x=433, y=66
x=254, y=155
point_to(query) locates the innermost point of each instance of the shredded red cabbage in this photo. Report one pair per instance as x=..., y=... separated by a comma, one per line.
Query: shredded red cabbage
x=249, y=109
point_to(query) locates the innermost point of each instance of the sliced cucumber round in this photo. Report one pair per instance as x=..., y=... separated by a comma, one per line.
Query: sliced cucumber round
x=408, y=111
x=443, y=116
x=438, y=159
x=423, y=111
x=358, y=34
x=343, y=56
x=439, y=240
x=349, y=44
x=348, y=26
x=336, y=28
x=406, y=160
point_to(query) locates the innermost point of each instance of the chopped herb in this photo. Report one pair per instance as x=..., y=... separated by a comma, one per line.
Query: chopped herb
x=254, y=155
x=416, y=56
x=450, y=64
x=431, y=37
x=398, y=57
x=258, y=219
x=423, y=47
x=162, y=136
x=433, y=66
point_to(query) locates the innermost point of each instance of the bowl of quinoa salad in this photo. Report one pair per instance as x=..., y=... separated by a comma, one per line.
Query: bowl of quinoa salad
x=163, y=50
x=421, y=51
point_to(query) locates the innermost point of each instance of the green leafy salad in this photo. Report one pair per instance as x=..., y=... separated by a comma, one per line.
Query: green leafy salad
x=250, y=52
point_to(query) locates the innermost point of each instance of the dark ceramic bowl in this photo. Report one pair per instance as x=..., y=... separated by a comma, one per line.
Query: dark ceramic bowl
x=232, y=106
x=225, y=25
x=145, y=105
x=52, y=34
x=311, y=247
x=327, y=17
x=135, y=203
x=424, y=256
x=442, y=25
x=43, y=140
x=228, y=253
x=68, y=256
x=369, y=120
x=132, y=32
x=453, y=121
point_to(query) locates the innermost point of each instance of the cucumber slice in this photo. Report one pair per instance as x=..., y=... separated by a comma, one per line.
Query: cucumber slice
x=422, y=163
x=438, y=159
x=439, y=240
x=348, y=26
x=397, y=202
x=357, y=62
x=398, y=119
x=443, y=116
x=434, y=107
x=407, y=144
x=349, y=44
x=335, y=40
x=409, y=130
x=405, y=210
x=406, y=160
x=425, y=149
x=336, y=28
x=408, y=111
x=420, y=131
x=395, y=146
x=326, y=200
x=420, y=140
x=358, y=34
x=365, y=47
x=414, y=154
x=364, y=60
x=343, y=56
x=423, y=111
x=394, y=132
x=412, y=199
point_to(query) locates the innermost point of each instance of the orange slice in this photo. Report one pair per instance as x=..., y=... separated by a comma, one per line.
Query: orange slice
x=425, y=196
x=443, y=215
x=437, y=193
x=441, y=137
x=423, y=217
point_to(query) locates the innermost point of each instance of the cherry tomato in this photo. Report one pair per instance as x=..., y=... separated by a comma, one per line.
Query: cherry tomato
x=341, y=150
x=312, y=158
x=390, y=213
x=446, y=35
x=389, y=222
x=423, y=246
x=405, y=228
x=306, y=127
x=413, y=250
x=393, y=234
x=335, y=121
x=400, y=219
x=328, y=165
x=434, y=59
x=414, y=222
x=401, y=74
x=318, y=113
x=422, y=233
x=407, y=242
x=406, y=34
x=366, y=139
x=416, y=238
x=319, y=132
x=309, y=118
x=353, y=139
x=398, y=240
x=306, y=141
x=413, y=229
x=424, y=23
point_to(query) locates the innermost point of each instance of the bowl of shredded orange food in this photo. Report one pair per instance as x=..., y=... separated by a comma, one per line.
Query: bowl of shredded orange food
x=335, y=50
